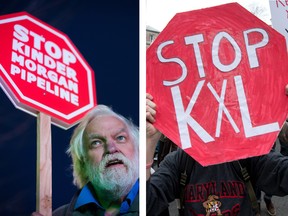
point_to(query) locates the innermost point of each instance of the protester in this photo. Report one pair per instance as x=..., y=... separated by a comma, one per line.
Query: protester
x=283, y=140
x=104, y=150
x=212, y=190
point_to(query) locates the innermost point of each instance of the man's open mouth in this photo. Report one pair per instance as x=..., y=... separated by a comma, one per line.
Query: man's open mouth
x=114, y=162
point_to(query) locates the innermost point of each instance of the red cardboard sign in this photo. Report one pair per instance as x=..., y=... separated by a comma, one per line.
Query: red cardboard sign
x=41, y=70
x=217, y=76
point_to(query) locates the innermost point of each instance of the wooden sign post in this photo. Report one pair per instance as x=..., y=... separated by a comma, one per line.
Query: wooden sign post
x=44, y=165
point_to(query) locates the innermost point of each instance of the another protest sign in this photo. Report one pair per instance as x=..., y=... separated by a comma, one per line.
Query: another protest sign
x=279, y=16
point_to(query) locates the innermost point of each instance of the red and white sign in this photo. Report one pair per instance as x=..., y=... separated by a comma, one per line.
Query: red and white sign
x=279, y=16
x=217, y=76
x=41, y=70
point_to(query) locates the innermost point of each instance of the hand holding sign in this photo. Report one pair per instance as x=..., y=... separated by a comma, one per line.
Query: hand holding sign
x=220, y=79
x=152, y=134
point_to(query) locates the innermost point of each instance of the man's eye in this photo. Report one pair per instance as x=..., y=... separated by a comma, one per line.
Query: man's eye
x=96, y=143
x=121, y=138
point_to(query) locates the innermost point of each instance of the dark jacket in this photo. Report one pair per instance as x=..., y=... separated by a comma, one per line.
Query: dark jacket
x=90, y=209
x=221, y=185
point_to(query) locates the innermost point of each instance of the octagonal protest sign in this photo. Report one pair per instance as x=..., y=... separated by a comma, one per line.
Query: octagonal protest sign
x=217, y=76
x=41, y=70
x=279, y=16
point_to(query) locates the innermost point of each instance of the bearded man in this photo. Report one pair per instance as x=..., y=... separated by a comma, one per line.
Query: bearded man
x=104, y=150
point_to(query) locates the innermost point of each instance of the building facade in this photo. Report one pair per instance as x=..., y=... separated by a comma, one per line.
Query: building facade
x=151, y=34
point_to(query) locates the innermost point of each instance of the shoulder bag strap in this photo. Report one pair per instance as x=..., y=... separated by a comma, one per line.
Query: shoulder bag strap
x=186, y=165
x=246, y=177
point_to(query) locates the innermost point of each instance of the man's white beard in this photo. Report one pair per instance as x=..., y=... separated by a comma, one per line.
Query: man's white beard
x=116, y=182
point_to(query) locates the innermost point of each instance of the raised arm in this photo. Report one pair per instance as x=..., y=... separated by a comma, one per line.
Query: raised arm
x=152, y=134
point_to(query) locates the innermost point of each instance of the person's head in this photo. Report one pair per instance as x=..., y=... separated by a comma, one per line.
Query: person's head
x=104, y=150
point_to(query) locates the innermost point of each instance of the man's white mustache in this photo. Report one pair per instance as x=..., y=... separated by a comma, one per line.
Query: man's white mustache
x=111, y=159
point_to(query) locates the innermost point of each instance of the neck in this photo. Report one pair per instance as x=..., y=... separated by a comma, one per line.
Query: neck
x=112, y=207
x=109, y=199
x=112, y=210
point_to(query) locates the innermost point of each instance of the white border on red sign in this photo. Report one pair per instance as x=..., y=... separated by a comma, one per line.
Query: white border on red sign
x=89, y=78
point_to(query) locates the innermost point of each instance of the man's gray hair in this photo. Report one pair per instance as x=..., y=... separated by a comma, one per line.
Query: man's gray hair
x=77, y=148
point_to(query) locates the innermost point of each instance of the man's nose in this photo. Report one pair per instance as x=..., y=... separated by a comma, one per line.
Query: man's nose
x=111, y=147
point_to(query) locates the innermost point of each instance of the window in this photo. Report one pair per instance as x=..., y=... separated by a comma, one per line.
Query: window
x=152, y=37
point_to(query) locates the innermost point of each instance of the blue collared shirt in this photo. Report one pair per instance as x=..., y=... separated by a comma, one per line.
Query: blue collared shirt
x=86, y=197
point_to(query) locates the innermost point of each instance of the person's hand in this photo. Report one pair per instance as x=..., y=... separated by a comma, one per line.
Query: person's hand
x=151, y=131
x=152, y=134
x=283, y=135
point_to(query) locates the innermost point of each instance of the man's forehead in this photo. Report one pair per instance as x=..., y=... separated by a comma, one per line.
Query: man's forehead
x=106, y=124
x=95, y=134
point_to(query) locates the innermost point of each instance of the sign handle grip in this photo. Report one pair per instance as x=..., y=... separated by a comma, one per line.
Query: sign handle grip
x=44, y=165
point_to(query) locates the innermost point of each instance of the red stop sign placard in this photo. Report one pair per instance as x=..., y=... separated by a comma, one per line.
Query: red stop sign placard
x=41, y=70
x=217, y=76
